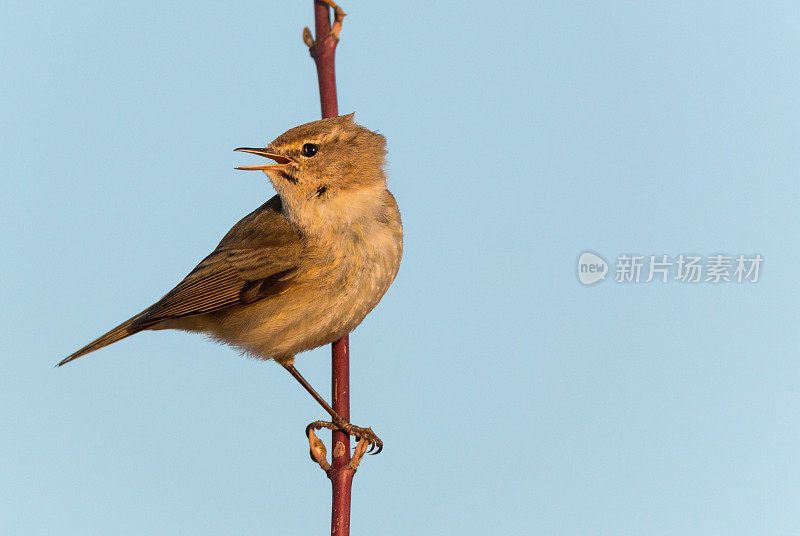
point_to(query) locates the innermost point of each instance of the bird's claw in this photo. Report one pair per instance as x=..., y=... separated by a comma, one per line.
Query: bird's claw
x=361, y=434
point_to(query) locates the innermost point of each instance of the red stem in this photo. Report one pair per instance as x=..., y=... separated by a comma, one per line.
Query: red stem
x=323, y=51
x=341, y=474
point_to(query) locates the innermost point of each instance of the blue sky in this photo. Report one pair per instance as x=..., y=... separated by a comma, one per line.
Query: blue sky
x=511, y=399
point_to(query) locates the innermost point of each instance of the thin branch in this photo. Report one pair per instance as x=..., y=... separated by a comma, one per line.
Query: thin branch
x=343, y=469
x=323, y=50
x=341, y=474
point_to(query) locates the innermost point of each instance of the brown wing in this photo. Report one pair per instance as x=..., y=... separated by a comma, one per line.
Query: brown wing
x=257, y=258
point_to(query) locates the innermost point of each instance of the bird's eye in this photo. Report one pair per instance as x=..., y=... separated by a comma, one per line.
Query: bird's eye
x=309, y=149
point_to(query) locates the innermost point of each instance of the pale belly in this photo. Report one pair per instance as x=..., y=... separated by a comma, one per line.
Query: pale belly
x=329, y=300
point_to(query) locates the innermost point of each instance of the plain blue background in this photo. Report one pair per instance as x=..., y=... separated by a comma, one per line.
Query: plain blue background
x=512, y=400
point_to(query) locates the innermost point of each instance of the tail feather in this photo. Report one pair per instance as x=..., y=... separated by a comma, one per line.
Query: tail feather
x=126, y=329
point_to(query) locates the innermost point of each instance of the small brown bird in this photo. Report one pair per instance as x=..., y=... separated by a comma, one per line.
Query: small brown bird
x=302, y=270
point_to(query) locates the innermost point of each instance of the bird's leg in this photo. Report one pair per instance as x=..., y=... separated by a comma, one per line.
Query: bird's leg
x=339, y=423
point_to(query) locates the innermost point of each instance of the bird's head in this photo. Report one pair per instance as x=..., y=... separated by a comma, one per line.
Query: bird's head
x=324, y=167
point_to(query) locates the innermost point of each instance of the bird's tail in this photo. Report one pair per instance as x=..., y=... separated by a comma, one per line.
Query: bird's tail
x=126, y=329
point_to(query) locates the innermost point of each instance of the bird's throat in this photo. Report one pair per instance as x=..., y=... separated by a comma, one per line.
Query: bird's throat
x=287, y=175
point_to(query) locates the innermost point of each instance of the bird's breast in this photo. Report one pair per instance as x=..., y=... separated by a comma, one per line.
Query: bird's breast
x=361, y=262
x=343, y=276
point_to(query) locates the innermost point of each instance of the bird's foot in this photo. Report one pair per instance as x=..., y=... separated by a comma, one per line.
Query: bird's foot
x=361, y=434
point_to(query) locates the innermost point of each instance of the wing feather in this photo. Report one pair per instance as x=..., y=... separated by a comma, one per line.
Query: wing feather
x=256, y=259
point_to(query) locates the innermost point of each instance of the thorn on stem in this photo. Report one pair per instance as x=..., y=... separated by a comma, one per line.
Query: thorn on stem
x=307, y=38
x=317, y=450
x=336, y=27
x=361, y=449
x=339, y=450
x=338, y=17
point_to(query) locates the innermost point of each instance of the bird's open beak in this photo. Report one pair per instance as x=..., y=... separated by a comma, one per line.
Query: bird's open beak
x=280, y=159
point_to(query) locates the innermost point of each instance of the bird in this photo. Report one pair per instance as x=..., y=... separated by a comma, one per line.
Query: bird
x=303, y=269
